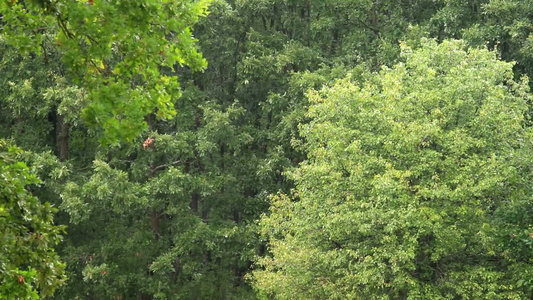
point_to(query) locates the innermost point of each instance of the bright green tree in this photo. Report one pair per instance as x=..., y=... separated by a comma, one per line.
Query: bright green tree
x=121, y=52
x=29, y=266
x=406, y=174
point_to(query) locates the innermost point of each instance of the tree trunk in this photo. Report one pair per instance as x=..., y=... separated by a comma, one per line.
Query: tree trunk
x=156, y=221
x=62, y=137
x=195, y=198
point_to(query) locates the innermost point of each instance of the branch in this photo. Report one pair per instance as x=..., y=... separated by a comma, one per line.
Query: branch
x=375, y=30
x=64, y=27
x=160, y=167
x=92, y=39
x=96, y=67
x=45, y=53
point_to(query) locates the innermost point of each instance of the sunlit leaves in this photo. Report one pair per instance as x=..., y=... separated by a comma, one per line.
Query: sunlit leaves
x=121, y=52
x=404, y=175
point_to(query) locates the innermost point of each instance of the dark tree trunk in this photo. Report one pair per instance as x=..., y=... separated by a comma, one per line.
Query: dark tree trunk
x=195, y=198
x=156, y=221
x=62, y=138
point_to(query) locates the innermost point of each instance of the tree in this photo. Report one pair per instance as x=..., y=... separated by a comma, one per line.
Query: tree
x=171, y=211
x=30, y=267
x=189, y=200
x=119, y=51
x=502, y=25
x=406, y=174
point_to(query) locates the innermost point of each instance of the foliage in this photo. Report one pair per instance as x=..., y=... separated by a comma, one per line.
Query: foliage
x=405, y=174
x=205, y=176
x=117, y=51
x=29, y=265
x=500, y=24
x=170, y=211
x=169, y=221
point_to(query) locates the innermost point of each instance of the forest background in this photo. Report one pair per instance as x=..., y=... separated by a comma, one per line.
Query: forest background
x=328, y=149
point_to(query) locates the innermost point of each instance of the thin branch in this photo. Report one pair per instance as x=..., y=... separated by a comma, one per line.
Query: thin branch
x=64, y=27
x=45, y=53
x=95, y=42
x=165, y=166
x=96, y=67
x=375, y=30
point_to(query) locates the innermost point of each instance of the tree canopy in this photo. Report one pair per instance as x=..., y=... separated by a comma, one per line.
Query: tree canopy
x=408, y=174
x=122, y=52
x=266, y=149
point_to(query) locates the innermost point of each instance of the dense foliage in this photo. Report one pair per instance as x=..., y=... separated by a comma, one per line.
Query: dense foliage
x=314, y=149
x=29, y=265
x=407, y=178
x=122, y=52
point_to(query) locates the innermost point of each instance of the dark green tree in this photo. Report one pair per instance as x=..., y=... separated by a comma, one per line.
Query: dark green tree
x=170, y=210
x=500, y=24
x=189, y=200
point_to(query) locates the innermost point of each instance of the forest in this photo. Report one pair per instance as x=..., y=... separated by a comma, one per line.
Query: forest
x=266, y=149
